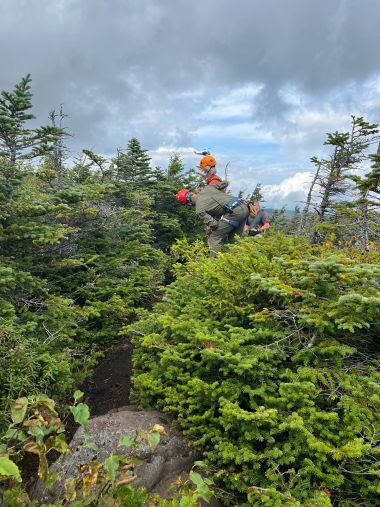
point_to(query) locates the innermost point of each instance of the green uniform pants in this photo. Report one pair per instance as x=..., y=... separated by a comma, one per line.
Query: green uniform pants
x=225, y=232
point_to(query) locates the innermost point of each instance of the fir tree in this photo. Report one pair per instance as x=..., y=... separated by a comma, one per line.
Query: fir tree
x=284, y=405
x=256, y=194
x=349, y=152
x=17, y=141
x=367, y=204
x=279, y=219
x=133, y=166
x=294, y=224
x=175, y=167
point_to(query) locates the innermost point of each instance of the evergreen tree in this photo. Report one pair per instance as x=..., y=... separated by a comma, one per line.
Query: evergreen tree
x=279, y=219
x=175, y=167
x=294, y=223
x=100, y=163
x=256, y=194
x=172, y=221
x=367, y=204
x=17, y=140
x=133, y=166
x=349, y=153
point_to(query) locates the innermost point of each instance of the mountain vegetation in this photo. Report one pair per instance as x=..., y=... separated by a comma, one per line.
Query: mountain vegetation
x=267, y=356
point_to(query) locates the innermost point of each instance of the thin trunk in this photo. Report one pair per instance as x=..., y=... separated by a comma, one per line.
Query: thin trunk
x=364, y=229
x=328, y=187
x=326, y=197
x=308, y=201
x=12, y=157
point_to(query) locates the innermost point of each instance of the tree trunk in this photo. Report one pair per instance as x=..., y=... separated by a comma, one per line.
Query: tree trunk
x=308, y=201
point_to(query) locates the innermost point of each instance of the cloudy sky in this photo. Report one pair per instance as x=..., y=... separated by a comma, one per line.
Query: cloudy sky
x=257, y=82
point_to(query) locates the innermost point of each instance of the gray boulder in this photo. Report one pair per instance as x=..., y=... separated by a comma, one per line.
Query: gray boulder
x=169, y=460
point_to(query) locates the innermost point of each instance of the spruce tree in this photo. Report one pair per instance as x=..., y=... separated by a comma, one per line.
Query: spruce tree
x=367, y=204
x=17, y=140
x=133, y=166
x=333, y=182
x=294, y=224
x=256, y=194
x=279, y=219
x=175, y=167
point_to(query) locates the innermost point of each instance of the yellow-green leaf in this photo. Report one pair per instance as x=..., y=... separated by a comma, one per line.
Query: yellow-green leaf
x=9, y=469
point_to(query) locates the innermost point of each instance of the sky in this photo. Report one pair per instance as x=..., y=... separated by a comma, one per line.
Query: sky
x=259, y=83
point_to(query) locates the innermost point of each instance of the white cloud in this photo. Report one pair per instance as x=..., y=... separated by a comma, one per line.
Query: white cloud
x=238, y=131
x=289, y=191
x=233, y=103
x=170, y=150
x=161, y=155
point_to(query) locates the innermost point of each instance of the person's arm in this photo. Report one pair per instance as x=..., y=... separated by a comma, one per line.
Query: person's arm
x=265, y=222
x=206, y=218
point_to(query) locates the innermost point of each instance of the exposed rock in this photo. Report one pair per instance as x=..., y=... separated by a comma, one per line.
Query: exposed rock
x=170, y=459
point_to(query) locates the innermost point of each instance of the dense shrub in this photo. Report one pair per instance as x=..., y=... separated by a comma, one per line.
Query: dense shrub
x=39, y=351
x=266, y=356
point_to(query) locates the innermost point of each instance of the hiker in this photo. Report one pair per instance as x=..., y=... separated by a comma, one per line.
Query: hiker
x=223, y=215
x=207, y=165
x=257, y=220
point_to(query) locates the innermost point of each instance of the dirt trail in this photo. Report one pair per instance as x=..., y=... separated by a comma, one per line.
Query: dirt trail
x=110, y=384
x=107, y=389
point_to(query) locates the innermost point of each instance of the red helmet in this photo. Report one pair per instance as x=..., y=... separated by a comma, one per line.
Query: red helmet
x=182, y=196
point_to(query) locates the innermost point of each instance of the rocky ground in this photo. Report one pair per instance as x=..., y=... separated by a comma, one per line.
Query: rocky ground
x=162, y=465
x=112, y=416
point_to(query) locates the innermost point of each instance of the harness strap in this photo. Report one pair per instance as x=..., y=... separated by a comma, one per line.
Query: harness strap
x=232, y=203
x=234, y=223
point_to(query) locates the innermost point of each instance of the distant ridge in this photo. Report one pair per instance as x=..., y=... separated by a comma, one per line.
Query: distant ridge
x=270, y=211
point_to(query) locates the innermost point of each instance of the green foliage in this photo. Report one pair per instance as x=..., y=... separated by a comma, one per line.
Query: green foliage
x=256, y=194
x=341, y=207
x=17, y=140
x=9, y=469
x=81, y=414
x=81, y=250
x=266, y=358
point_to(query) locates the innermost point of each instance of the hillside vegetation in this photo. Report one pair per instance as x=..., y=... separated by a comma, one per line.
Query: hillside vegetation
x=267, y=356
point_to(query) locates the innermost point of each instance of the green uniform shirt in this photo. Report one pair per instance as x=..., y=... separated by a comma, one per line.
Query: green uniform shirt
x=210, y=205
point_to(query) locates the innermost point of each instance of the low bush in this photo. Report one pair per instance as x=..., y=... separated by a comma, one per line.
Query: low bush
x=267, y=358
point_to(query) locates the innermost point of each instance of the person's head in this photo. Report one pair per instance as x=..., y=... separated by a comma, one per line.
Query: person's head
x=256, y=206
x=207, y=163
x=186, y=197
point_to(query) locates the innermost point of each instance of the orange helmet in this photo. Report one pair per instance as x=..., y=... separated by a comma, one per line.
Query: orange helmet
x=207, y=161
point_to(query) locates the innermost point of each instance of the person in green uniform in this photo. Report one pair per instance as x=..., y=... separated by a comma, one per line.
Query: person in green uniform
x=223, y=214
